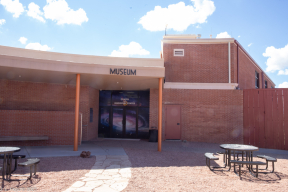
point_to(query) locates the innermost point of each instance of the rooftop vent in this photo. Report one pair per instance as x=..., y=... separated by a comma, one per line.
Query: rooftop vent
x=199, y=36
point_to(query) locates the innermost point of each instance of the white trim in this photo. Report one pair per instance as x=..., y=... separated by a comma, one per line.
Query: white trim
x=176, y=85
x=173, y=40
x=229, y=62
x=178, y=50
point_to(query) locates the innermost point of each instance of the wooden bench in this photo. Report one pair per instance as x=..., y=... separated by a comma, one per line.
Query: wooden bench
x=209, y=157
x=247, y=163
x=30, y=163
x=23, y=138
x=268, y=158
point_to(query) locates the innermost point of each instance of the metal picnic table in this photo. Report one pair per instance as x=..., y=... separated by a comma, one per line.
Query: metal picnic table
x=249, y=149
x=7, y=161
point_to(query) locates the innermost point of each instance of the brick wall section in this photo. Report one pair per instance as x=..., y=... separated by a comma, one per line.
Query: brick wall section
x=17, y=95
x=94, y=104
x=206, y=115
x=57, y=125
x=201, y=63
x=247, y=73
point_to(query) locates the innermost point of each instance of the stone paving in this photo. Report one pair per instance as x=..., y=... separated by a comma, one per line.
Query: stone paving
x=109, y=174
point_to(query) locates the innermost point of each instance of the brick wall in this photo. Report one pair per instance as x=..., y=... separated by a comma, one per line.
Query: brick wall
x=94, y=104
x=57, y=125
x=206, y=115
x=17, y=95
x=247, y=73
x=201, y=63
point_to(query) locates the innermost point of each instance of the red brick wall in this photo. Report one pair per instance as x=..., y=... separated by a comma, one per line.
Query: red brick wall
x=94, y=104
x=206, y=115
x=247, y=73
x=57, y=125
x=17, y=95
x=201, y=63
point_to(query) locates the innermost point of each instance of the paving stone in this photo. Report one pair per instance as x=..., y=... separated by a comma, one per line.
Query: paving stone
x=109, y=173
x=93, y=184
x=84, y=189
x=78, y=184
x=90, y=179
x=104, y=188
x=119, y=186
x=104, y=177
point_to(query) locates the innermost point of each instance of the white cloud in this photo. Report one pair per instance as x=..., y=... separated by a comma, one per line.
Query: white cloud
x=283, y=72
x=223, y=35
x=277, y=59
x=283, y=85
x=38, y=46
x=250, y=44
x=128, y=50
x=2, y=21
x=239, y=36
x=177, y=16
x=34, y=11
x=14, y=7
x=198, y=26
x=23, y=40
x=59, y=11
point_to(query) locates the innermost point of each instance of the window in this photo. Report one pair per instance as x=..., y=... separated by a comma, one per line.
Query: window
x=256, y=80
x=266, y=85
x=178, y=52
x=272, y=87
x=91, y=115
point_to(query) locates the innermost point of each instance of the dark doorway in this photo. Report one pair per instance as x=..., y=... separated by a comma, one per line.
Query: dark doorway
x=124, y=114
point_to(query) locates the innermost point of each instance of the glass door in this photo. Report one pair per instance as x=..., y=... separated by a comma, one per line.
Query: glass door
x=117, y=122
x=130, y=122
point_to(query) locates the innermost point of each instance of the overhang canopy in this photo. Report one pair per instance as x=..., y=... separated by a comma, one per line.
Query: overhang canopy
x=96, y=71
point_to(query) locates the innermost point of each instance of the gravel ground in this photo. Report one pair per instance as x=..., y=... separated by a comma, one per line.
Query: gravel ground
x=181, y=167
x=54, y=174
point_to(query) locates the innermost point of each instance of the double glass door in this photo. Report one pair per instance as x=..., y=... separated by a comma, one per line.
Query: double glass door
x=124, y=122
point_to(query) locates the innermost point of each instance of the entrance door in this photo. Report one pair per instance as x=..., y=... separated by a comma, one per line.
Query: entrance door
x=173, y=127
x=124, y=122
x=117, y=122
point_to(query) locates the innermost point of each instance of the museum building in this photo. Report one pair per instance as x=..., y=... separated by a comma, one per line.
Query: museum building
x=193, y=92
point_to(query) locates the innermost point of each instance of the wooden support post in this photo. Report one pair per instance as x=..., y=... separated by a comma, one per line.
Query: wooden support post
x=160, y=116
x=76, y=112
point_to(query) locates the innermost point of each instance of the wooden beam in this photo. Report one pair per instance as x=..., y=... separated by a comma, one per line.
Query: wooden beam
x=77, y=112
x=160, y=115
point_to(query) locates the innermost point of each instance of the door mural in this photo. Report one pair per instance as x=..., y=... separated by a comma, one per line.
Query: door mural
x=124, y=114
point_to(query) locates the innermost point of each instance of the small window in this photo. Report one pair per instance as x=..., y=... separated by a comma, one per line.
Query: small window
x=266, y=85
x=272, y=87
x=178, y=52
x=91, y=115
x=256, y=80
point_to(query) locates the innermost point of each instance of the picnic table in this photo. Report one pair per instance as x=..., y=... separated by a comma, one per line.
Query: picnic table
x=248, y=149
x=7, y=161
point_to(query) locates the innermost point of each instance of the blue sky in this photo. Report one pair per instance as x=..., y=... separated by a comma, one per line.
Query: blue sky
x=135, y=28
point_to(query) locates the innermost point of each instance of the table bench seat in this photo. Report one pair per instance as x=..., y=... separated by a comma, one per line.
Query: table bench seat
x=209, y=157
x=247, y=163
x=268, y=158
x=23, y=138
x=30, y=163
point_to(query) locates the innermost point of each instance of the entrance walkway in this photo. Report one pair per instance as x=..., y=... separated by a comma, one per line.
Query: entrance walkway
x=111, y=171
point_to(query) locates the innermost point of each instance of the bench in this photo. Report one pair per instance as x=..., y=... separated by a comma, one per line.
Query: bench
x=247, y=163
x=210, y=156
x=23, y=138
x=268, y=158
x=15, y=157
x=30, y=163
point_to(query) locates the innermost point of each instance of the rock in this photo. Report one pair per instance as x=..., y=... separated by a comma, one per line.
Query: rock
x=85, y=154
